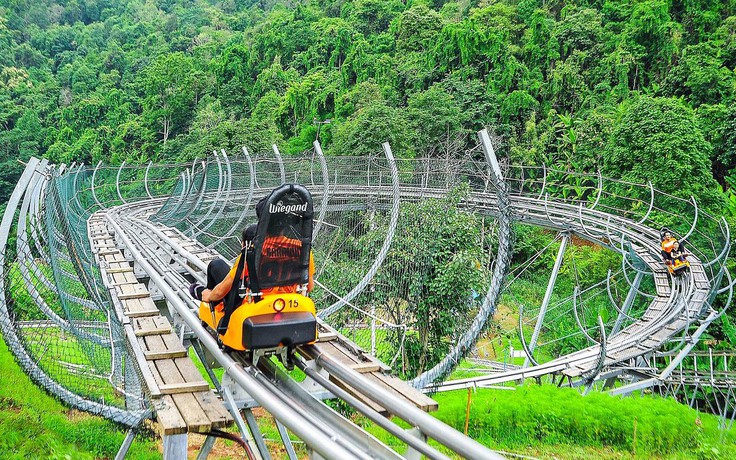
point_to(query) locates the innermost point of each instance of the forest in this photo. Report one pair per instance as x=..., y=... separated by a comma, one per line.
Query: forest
x=626, y=87
x=640, y=90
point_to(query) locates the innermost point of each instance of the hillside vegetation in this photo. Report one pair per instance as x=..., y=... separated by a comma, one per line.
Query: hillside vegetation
x=624, y=86
x=641, y=90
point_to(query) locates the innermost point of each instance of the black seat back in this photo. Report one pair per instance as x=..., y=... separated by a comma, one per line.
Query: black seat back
x=280, y=255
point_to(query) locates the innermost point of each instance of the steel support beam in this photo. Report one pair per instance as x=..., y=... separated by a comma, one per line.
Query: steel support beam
x=547, y=295
x=628, y=302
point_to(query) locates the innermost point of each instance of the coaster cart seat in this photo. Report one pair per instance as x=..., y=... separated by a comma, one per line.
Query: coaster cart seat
x=275, y=315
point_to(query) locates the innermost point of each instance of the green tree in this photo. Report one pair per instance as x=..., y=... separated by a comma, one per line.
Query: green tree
x=417, y=28
x=661, y=135
x=169, y=94
x=436, y=118
x=368, y=128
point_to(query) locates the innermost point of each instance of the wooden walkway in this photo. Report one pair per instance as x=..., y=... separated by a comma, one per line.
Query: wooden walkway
x=181, y=397
x=342, y=350
x=336, y=346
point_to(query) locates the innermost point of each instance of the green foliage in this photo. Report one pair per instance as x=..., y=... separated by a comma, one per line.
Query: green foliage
x=35, y=425
x=660, y=134
x=542, y=415
x=443, y=248
x=138, y=81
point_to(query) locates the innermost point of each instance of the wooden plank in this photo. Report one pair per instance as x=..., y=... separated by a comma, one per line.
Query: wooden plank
x=410, y=393
x=156, y=375
x=194, y=416
x=214, y=408
x=119, y=270
x=148, y=376
x=169, y=418
x=166, y=368
x=374, y=378
x=326, y=336
x=131, y=291
x=135, y=308
x=154, y=344
x=172, y=343
x=369, y=402
x=151, y=325
x=337, y=352
x=125, y=277
x=188, y=370
x=118, y=265
x=163, y=354
x=164, y=346
x=116, y=257
x=184, y=387
x=366, y=367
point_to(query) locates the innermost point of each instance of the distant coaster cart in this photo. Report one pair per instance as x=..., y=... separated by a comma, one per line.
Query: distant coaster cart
x=673, y=253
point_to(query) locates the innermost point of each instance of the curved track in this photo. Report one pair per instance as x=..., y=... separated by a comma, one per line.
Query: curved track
x=209, y=202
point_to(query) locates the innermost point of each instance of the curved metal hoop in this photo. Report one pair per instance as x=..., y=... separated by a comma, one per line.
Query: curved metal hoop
x=117, y=182
x=651, y=203
x=575, y=294
x=386, y=244
x=280, y=160
x=325, y=189
x=527, y=351
x=92, y=186
x=695, y=219
x=588, y=378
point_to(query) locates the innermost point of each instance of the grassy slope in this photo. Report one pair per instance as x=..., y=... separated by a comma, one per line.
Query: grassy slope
x=34, y=425
x=544, y=422
x=552, y=422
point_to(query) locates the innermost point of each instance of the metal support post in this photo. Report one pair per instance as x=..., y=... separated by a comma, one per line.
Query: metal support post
x=206, y=448
x=373, y=329
x=126, y=445
x=412, y=454
x=175, y=446
x=257, y=436
x=548, y=295
x=248, y=436
x=286, y=440
x=628, y=302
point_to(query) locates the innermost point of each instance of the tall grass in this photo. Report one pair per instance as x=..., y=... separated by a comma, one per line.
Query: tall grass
x=34, y=425
x=546, y=415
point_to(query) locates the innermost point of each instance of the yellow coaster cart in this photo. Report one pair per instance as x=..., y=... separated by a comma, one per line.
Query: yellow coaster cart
x=270, y=313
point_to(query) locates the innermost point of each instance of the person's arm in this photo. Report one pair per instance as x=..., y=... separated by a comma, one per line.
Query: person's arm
x=219, y=292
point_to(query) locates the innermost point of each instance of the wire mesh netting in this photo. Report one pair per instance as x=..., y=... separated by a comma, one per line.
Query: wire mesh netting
x=411, y=257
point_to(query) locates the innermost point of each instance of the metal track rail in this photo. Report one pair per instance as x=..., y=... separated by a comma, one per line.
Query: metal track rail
x=127, y=223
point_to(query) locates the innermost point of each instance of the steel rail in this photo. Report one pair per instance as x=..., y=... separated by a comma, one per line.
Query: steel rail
x=320, y=442
x=334, y=427
x=607, y=223
x=565, y=220
x=372, y=415
x=423, y=418
x=435, y=429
